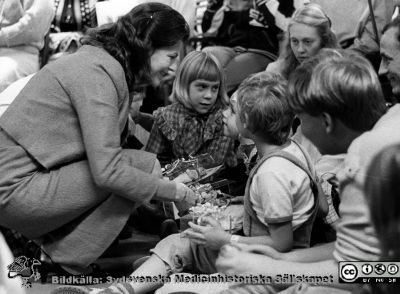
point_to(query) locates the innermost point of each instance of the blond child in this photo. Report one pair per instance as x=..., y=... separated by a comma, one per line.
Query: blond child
x=192, y=125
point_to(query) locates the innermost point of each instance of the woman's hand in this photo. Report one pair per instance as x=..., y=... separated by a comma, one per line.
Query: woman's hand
x=182, y=178
x=210, y=234
x=185, y=197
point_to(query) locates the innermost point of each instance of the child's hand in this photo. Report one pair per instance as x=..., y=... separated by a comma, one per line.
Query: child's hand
x=210, y=234
x=257, y=15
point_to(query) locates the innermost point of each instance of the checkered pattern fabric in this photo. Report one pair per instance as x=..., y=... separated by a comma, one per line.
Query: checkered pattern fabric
x=179, y=132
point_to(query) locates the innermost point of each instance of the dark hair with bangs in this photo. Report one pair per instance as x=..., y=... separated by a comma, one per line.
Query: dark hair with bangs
x=262, y=106
x=341, y=83
x=134, y=37
x=198, y=65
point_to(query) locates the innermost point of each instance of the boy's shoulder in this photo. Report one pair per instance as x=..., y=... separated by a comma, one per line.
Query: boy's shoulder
x=283, y=165
x=385, y=133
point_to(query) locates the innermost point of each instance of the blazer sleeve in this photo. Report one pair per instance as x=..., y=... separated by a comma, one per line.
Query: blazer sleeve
x=96, y=100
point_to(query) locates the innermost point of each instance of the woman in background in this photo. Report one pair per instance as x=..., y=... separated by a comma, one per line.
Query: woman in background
x=309, y=31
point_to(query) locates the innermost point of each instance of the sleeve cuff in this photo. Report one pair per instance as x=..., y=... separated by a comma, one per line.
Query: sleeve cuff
x=278, y=220
x=166, y=190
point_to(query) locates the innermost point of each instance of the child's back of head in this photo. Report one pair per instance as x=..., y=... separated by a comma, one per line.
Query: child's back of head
x=263, y=109
x=340, y=83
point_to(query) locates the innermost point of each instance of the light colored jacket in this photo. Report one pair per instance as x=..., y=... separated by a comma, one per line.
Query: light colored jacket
x=76, y=109
x=25, y=22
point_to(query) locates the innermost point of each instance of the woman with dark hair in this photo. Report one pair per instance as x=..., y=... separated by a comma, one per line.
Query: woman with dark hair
x=65, y=178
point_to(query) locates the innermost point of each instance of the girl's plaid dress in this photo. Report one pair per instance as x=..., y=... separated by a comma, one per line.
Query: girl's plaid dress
x=178, y=132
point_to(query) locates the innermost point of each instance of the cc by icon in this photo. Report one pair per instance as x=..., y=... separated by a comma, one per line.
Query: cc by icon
x=349, y=272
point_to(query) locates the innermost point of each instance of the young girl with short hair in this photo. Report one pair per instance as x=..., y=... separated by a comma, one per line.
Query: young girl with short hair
x=192, y=125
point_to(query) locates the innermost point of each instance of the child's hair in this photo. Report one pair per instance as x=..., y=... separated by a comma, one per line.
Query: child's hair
x=135, y=35
x=382, y=191
x=261, y=104
x=198, y=65
x=311, y=15
x=340, y=83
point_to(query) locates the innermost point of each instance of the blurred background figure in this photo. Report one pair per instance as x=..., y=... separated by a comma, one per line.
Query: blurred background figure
x=110, y=10
x=23, y=26
x=71, y=20
x=353, y=24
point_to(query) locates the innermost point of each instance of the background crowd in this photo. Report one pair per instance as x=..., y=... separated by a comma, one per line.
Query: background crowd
x=297, y=101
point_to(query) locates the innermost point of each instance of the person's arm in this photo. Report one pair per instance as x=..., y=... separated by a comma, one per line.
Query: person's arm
x=96, y=100
x=212, y=235
x=312, y=254
x=280, y=239
x=232, y=261
x=31, y=27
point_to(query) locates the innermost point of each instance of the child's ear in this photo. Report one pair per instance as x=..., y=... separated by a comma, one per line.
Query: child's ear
x=246, y=121
x=329, y=122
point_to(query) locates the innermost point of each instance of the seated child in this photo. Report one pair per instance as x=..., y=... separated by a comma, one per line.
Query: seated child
x=192, y=125
x=281, y=204
x=337, y=99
